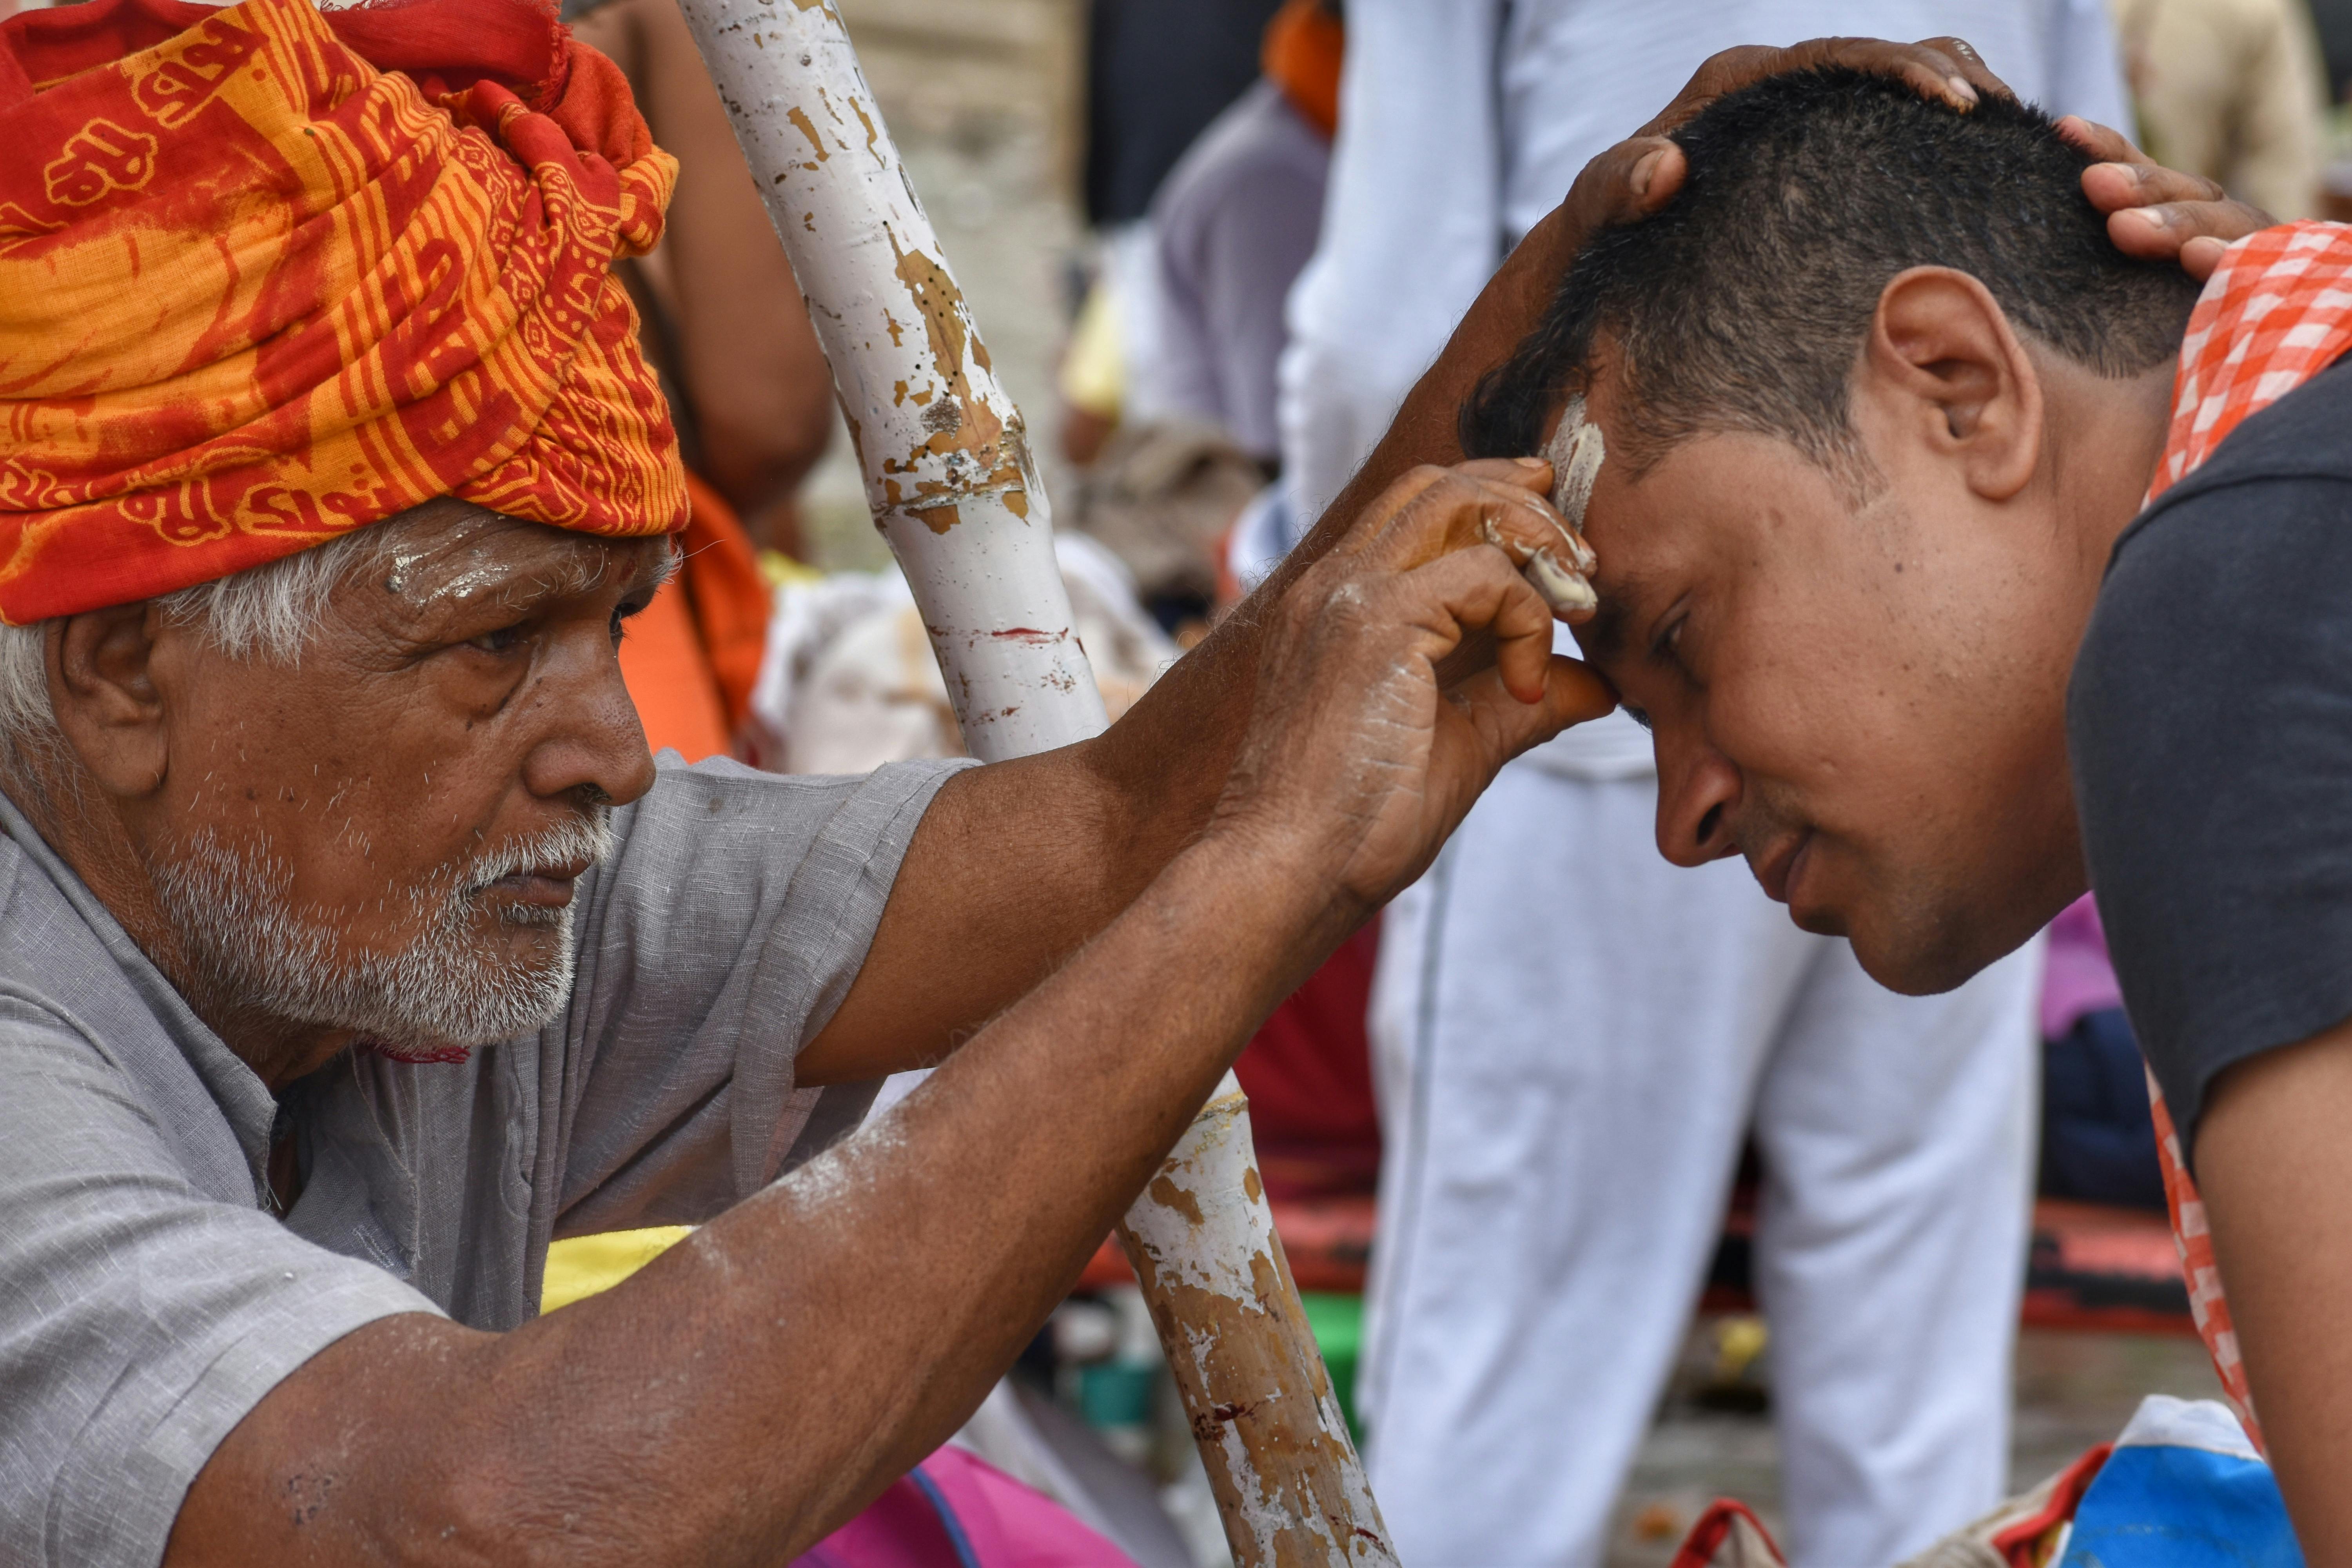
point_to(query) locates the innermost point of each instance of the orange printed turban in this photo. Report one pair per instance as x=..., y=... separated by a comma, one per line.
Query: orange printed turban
x=256, y=291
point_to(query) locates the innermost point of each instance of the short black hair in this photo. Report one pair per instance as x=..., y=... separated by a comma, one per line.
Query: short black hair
x=1742, y=305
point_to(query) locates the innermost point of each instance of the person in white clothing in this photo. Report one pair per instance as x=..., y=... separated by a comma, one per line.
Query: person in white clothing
x=1564, y=1113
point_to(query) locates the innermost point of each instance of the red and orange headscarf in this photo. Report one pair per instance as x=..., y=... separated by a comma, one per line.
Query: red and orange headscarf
x=256, y=291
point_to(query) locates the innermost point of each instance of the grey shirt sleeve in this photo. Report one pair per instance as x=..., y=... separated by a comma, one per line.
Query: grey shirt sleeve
x=714, y=946
x=140, y=1318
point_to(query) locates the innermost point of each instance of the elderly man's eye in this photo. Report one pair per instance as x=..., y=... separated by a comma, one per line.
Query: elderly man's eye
x=505, y=640
x=624, y=613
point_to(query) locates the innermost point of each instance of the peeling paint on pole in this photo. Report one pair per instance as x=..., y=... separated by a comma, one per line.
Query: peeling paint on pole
x=949, y=479
x=1288, y=1484
x=938, y=442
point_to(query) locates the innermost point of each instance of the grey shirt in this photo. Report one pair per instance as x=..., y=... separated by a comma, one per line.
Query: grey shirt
x=148, y=1296
x=1234, y=223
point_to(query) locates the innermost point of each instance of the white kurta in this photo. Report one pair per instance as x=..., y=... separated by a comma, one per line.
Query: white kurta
x=1572, y=1036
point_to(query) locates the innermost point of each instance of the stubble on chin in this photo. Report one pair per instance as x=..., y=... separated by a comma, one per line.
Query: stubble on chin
x=460, y=979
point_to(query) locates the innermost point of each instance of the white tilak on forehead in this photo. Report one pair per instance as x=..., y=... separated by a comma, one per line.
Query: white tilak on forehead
x=1575, y=455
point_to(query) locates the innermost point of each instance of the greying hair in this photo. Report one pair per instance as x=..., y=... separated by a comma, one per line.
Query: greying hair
x=269, y=611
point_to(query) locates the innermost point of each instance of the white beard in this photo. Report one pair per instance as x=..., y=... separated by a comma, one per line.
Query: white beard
x=252, y=947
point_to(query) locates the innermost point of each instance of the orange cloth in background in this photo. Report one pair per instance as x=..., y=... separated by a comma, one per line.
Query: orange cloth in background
x=691, y=657
x=1304, y=43
x=669, y=678
x=254, y=292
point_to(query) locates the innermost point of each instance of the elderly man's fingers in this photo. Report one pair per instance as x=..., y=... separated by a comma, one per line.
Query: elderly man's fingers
x=1972, y=67
x=1474, y=592
x=2195, y=233
x=2103, y=143
x=1947, y=70
x=1498, y=501
x=2117, y=184
x=1627, y=182
x=1573, y=694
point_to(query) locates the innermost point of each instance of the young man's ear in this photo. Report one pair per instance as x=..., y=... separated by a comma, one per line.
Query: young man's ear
x=102, y=686
x=1941, y=352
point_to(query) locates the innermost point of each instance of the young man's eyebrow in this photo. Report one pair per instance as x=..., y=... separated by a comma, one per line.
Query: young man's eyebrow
x=1604, y=636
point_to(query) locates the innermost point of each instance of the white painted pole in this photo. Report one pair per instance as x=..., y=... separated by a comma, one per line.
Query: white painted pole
x=949, y=479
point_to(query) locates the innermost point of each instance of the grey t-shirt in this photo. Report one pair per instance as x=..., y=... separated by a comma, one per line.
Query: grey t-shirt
x=148, y=1296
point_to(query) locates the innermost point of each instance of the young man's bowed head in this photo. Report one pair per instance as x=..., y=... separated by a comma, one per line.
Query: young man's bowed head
x=1954, y=565
x=1872, y=432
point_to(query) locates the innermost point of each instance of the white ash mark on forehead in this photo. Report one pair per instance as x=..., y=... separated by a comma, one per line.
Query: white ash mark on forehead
x=1576, y=453
x=450, y=552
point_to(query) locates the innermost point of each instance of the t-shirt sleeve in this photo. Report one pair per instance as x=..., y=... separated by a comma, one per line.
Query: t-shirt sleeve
x=2209, y=724
x=715, y=944
x=139, y=1318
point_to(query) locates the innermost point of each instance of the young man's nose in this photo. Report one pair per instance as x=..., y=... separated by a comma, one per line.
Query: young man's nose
x=1698, y=791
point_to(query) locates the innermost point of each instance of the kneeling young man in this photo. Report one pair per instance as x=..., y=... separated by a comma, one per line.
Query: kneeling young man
x=1947, y=554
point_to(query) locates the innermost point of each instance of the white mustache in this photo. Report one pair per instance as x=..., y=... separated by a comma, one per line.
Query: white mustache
x=588, y=836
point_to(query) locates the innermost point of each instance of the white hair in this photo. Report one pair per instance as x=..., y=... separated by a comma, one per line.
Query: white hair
x=269, y=611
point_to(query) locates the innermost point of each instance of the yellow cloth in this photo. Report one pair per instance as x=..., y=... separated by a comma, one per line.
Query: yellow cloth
x=583, y=1265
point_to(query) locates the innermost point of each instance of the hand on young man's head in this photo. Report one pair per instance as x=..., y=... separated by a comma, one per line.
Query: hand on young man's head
x=2156, y=213
x=2153, y=212
x=1845, y=586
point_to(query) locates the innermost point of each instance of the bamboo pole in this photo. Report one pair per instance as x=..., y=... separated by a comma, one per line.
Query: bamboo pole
x=949, y=481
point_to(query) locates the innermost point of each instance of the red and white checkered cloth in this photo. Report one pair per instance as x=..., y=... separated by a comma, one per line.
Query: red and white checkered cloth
x=2276, y=312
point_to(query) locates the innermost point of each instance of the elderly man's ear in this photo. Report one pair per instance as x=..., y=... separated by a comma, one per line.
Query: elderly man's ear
x=1941, y=359
x=102, y=669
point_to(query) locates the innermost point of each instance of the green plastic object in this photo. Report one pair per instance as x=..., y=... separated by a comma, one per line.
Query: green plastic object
x=1116, y=1394
x=1337, y=1322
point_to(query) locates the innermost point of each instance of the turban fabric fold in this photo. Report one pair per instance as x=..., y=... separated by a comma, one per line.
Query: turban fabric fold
x=256, y=291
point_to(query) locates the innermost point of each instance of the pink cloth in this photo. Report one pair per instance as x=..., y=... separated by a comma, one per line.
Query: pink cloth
x=959, y=1511
x=2080, y=979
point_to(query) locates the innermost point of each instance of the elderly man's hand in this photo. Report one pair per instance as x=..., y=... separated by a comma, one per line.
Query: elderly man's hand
x=2156, y=213
x=1360, y=754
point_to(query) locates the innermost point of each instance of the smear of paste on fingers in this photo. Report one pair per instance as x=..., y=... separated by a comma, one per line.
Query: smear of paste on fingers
x=1575, y=453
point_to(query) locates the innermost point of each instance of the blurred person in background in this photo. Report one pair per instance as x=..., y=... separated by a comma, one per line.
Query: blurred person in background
x=1156, y=75
x=2234, y=90
x=1234, y=222
x=1232, y=225
x=1566, y=1079
x=723, y=326
x=2098, y=1131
